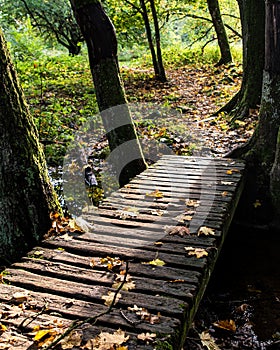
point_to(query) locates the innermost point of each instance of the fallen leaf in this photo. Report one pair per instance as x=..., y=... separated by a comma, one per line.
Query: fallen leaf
x=155, y=194
x=158, y=243
x=224, y=194
x=198, y=252
x=257, y=204
x=108, y=341
x=128, y=285
x=107, y=262
x=126, y=213
x=3, y=328
x=206, y=231
x=145, y=315
x=192, y=203
x=181, y=231
x=109, y=298
x=183, y=217
x=228, y=325
x=147, y=337
x=73, y=339
x=156, y=262
x=208, y=341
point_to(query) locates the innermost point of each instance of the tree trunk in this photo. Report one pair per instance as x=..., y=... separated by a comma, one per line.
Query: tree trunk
x=26, y=195
x=145, y=16
x=214, y=9
x=263, y=158
x=100, y=37
x=162, y=75
x=252, y=14
x=272, y=67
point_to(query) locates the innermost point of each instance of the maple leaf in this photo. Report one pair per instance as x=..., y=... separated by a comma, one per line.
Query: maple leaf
x=155, y=194
x=109, y=298
x=183, y=217
x=198, y=252
x=208, y=341
x=108, y=341
x=181, y=231
x=205, y=231
x=145, y=315
x=156, y=262
x=228, y=325
x=74, y=339
x=129, y=284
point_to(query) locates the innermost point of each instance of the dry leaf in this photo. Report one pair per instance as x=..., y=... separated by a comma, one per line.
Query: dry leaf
x=3, y=328
x=198, y=252
x=109, y=298
x=107, y=262
x=125, y=213
x=224, y=194
x=208, y=341
x=192, y=203
x=181, y=231
x=155, y=194
x=147, y=337
x=183, y=217
x=156, y=262
x=128, y=285
x=228, y=325
x=145, y=315
x=73, y=339
x=206, y=231
x=108, y=341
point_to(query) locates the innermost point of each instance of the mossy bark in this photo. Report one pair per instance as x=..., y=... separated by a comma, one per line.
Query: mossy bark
x=252, y=14
x=100, y=37
x=26, y=195
x=263, y=155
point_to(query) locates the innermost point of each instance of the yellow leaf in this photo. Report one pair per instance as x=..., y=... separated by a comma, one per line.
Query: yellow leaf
x=127, y=285
x=155, y=193
x=3, y=328
x=198, y=252
x=224, y=194
x=42, y=333
x=109, y=298
x=206, y=231
x=257, y=204
x=156, y=262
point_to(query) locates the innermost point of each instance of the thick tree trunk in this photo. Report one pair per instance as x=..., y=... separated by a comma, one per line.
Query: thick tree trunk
x=26, y=195
x=214, y=10
x=162, y=75
x=100, y=37
x=263, y=157
x=272, y=67
x=252, y=14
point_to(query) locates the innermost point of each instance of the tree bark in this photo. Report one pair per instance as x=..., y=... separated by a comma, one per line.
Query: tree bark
x=162, y=75
x=100, y=37
x=252, y=14
x=26, y=195
x=214, y=10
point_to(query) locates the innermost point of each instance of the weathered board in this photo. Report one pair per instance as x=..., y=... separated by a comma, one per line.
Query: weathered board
x=152, y=219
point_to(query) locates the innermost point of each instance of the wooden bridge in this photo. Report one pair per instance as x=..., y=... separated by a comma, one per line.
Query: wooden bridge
x=159, y=236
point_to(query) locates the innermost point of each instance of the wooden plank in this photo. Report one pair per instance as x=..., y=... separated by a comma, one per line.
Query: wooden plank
x=67, y=273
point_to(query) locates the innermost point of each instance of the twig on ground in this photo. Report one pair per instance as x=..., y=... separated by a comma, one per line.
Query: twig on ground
x=91, y=320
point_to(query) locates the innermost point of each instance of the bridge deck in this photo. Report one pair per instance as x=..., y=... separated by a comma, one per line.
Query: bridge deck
x=159, y=224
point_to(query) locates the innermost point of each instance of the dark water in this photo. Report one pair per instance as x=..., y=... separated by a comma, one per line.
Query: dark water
x=245, y=287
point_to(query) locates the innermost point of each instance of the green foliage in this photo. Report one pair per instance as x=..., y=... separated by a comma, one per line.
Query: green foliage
x=60, y=94
x=53, y=19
